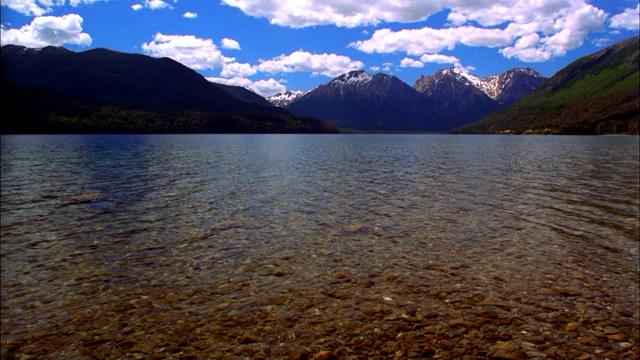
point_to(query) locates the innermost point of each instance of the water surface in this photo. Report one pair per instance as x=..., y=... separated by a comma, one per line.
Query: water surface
x=312, y=232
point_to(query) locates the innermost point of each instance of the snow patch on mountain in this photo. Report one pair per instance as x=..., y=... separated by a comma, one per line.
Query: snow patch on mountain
x=356, y=77
x=285, y=98
x=491, y=85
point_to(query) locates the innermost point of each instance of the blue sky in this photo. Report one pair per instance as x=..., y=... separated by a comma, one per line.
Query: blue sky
x=274, y=45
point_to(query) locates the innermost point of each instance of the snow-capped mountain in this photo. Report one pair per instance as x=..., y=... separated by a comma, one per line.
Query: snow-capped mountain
x=448, y=99
x=514, y=84
x=360, y=100
x=356, y=78
x=283, y=99
x=507, y=87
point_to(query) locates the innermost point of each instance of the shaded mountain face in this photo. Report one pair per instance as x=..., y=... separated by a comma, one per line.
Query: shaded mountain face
x=596, y=94
x=448, y=99
x=459, y=92
x=54, y=90
x=514, y=84
x=128, y=80
x=363, y=101
x=471, y=97
x=507, y=87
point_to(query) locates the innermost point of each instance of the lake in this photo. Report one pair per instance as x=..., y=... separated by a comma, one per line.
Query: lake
x=295, y=246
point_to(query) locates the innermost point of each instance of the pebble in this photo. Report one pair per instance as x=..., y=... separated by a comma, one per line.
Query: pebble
x=324, y=355
x=277, y=272
x=172, y=298
x=248, y=337
x=572, y=326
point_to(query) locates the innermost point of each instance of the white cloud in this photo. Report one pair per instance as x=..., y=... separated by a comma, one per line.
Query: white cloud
x=570, y=33
x=230, y=44
x=40, y=7
x=408, y=62
x=189, y=15
x=48, y=30
x=267, y=87
x=629, y=19
x=430, y=40
x=439, y=59
x=238, y=81
x=301, y=61
x=528, y=30
x=261, y=87
x=346, y=13
x=196, y=53
x=235, y=69
x=152, y=4
x=430, y=58
x=76, y=3
x=387, y=66
x=27, y=7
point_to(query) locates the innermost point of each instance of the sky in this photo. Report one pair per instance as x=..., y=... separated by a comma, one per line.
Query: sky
x=271, y=46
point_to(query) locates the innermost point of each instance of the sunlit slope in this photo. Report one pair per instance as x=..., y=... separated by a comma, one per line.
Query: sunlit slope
x=597, y=94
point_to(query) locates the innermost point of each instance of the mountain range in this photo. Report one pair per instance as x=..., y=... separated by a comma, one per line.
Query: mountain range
x=101, y=90
x=55, y=90
x=448, y=99
x=359, y=100
x=596, y=94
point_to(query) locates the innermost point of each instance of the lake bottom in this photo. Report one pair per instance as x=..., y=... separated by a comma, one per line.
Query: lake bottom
x=179, y=260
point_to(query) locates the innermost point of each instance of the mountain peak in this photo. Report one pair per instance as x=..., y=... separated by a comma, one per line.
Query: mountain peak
x=353, y=77
x=493, y=86
x=283, y=99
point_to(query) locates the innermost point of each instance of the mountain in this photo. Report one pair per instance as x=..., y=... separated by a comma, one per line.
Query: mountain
x=596, y=94
x=129, y=80
x=283, y=99
x=380, y=102
x=471, y=97
x=514, y=84
x=88, y=83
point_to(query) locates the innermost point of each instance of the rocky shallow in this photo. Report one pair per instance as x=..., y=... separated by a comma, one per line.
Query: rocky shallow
x=357, y=294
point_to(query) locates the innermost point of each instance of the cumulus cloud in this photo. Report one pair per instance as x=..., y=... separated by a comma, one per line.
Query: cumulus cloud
x=629, y=19
x=263, y=88
x=230, y=44
x=430, y=40
x=48, y=30
x=267, y=87
x=235, y=70
x=40, y=7
x=196, y=53
x=302, y=61
x=430, y=58
x=236, y=81
x=76, y=3
x=346, y=13
x=408, y=62
x=152, y=4
x=439, y=59
x=190, y=15
x=528, y=30
x=561, y=25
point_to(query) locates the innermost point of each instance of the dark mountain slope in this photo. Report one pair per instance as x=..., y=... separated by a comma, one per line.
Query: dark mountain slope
x=127, y=80
x=597, y=94
x=43, y=111
x=457, y=94
x=470, y=97
x=56, y=90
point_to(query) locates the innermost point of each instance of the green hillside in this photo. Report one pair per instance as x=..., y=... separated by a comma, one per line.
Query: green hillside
x=597, y=94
